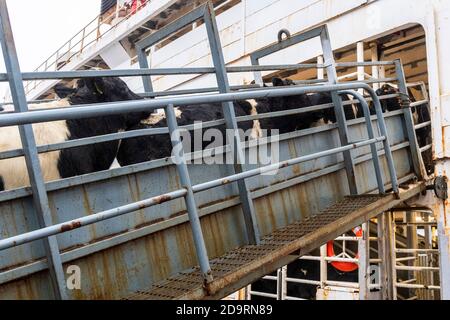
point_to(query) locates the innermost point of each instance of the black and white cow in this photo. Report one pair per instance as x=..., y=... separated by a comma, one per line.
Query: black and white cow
x=304, y=120
x=75, y=161
x=147, y=148
x=288, y=123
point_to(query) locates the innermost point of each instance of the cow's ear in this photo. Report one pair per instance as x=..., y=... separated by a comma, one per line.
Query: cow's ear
x=277, y=82
x=99, y=86
x=62, y=91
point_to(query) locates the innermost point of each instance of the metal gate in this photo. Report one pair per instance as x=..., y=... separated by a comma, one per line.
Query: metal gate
x=106, y=223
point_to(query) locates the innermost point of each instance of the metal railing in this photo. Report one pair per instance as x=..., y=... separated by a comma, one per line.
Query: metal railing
x=24, y=118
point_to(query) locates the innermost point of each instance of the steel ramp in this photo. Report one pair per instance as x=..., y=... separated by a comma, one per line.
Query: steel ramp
x=245, y=265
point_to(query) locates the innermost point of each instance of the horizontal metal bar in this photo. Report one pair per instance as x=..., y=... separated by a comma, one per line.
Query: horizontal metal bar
x=289, y=298
x=77, y=223
x=60, y=75
x=405, y=259
x=416, y=286
x=303, y=281
x=79, y=112
x=408, y=268
x=295, y=39
x=106, y=138
x=104, y=175
x=301, y=110
x=194, y=91
x=416, y=250
x=422, y=125
x=273, y=278
x=408, y=281
x=158, y=131
x=419, y=103
x=310, y=258
x=287, y=163
x=263, y=294
x=426, y=148
x=87, y=220
x=416, y=223
x=363, y=64
x=351, y=285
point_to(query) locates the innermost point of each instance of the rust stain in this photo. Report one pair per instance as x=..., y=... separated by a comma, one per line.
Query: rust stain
x=71, y=226
x=159, y=200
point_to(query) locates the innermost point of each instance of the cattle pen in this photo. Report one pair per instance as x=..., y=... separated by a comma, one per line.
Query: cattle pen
x=374, y=187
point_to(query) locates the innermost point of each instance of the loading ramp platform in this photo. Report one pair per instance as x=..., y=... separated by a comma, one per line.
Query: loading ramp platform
x=244, y=265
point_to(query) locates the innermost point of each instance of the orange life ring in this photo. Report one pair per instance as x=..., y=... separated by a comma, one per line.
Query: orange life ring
x=344, y=266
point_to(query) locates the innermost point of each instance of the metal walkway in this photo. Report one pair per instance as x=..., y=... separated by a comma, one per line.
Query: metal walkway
x=244, y=265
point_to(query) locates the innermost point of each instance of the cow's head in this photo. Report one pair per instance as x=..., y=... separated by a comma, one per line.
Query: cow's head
x=103, y=90
x=390, y=104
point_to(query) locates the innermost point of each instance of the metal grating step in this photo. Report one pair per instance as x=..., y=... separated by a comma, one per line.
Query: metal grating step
x=244, y=265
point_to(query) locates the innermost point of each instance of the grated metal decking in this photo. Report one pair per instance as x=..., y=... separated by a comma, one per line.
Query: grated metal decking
x=245, y=265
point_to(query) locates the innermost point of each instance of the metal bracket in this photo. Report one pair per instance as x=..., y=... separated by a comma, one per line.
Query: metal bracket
x=282, y=32
x=440, y=187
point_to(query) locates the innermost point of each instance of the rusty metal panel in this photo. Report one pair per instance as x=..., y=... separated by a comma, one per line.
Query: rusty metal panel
x=131, y=252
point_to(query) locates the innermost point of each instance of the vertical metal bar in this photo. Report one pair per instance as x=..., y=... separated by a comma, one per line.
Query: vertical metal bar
x=411, y=243
x=180, y=161
x=339, y=110
x=375, y=69
x=364, y=265
x=257, y=74
x=320, y=71
x=281, y=283
x=30, y=151
x=230, y=119
x=444, y=251
x=383, y=255
x=409, y=121
x=386, y=142
x=143, y=64
x=360, y=58
x=390, y=222
x=323, y=266
x=371, y=134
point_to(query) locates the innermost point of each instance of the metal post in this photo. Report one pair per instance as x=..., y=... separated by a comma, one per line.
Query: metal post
x=339, y=110
x=31, y=155
x=386, y=142
x=323, y=266
x=384, y=255
x=371, y=134
x=412, y=242
x=444, y=251
x=143, y=64
x=390, y=222
x=375, y=69
x=320, y=71
x=409, y=121
x=364, y=264
x=282, y=283
x=191, y=205
x=230, y=119
x=360, y=58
